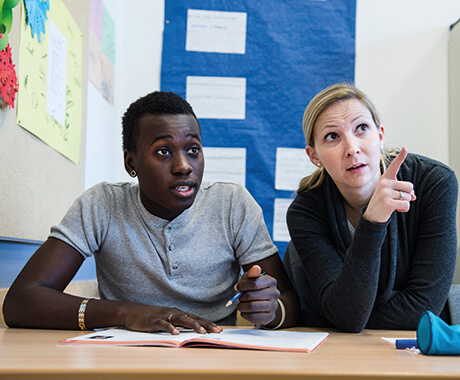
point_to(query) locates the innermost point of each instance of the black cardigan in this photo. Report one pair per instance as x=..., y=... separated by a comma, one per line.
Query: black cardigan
x=389, y=273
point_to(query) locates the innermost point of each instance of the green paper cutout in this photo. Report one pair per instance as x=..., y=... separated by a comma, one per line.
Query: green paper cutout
x=6, y=20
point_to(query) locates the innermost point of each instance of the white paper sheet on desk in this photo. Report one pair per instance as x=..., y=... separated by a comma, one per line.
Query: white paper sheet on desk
x=255, y=339
x=390, y=340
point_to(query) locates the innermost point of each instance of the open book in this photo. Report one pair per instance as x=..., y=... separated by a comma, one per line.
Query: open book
x=254, y=339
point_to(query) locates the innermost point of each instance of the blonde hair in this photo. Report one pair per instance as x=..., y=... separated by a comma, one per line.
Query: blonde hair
x=320, y=103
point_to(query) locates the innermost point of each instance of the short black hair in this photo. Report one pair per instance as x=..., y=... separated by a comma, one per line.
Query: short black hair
x=155, y=103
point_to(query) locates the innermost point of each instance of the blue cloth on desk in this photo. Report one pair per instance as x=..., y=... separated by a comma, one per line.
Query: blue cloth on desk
x=436, y=337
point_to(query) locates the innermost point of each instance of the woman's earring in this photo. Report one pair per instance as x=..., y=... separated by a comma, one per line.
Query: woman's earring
x=318, y=164
x=133, y=173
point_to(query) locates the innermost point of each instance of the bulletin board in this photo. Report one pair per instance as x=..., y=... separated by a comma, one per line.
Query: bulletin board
x=38, y=184
x=263, y=60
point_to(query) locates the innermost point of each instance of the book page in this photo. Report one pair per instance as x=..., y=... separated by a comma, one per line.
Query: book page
x=124, y=337
x=258, y=339
x=276, y=340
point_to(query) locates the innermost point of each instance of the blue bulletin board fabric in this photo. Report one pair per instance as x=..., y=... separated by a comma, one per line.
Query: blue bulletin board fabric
x=293, y=50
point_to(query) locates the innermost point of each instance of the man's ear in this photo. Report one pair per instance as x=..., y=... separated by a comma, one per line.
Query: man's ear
x=129, y=161
x=313, y=156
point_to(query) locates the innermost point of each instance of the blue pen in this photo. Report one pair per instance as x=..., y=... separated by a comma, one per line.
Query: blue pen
x=233, y=299
x=402, y=344
x=237, y=295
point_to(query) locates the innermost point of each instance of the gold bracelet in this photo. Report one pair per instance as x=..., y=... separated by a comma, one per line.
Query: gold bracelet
x=81, y=314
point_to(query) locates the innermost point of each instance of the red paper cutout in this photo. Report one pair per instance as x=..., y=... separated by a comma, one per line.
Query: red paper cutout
x=8, y=78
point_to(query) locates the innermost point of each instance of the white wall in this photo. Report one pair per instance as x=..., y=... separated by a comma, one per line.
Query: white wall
x=402, y=64
x=139, y=36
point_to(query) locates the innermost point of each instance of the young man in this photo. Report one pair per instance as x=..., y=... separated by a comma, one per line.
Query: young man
x=168, y=250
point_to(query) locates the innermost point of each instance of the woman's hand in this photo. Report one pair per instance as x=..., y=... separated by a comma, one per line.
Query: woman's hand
x=259, y=301
x=390, y=194
x=157, y=318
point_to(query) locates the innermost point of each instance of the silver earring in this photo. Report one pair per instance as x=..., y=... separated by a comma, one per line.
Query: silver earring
x=318, y=164
x=133, y=173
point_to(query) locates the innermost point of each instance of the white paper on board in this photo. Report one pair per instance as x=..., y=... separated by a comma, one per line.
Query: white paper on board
x=216, y=31
x=225, y=164
x=292, y=165
x=217, y=97
x=57, y=74
x=280, y=229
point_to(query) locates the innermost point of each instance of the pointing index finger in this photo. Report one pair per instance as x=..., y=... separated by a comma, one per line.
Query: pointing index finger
x=393, y=168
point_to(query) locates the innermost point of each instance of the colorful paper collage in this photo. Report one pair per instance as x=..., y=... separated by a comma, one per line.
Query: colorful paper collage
x=8, y=79
x=101, y=55
x=6, y=20
x=38, y=63
x=36, y=16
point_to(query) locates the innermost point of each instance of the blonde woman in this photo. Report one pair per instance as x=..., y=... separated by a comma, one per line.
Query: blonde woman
x=373, y=233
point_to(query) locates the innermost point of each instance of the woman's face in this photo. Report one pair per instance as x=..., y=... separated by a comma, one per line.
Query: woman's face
x=348, y=145
x=169, y=163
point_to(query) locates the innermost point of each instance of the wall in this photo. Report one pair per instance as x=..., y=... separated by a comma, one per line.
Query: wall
x=137, y=72
x=401, y=63
x=37, y=184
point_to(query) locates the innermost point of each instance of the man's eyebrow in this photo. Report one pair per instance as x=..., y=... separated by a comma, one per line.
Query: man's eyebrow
x=160, y=138
x=164, y=137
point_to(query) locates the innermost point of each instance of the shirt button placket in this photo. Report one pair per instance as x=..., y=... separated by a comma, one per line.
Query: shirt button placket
x=170, y=247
